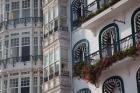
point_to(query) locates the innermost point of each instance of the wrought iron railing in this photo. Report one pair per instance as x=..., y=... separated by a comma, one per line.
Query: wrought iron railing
x=85, y=12
x=125, y=43
x=23, y=21
x=14, y=60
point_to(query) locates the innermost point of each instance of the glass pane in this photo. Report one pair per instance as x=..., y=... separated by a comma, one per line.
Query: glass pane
x=25, y=53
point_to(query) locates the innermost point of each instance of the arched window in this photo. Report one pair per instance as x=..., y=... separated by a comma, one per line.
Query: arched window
x=80, y=50
x=84, y=90
x=109, y=40
x=135, y=21
x=138, y=80
x=113, y=85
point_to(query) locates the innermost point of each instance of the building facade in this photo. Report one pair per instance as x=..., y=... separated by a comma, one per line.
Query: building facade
x=56, y=47
x=21, y=37
x=103, y=34
x=73, y=46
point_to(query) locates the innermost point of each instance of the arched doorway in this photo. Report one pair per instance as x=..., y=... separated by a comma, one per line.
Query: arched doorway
x=138, y=80
x=109, y=40
x=135, y=22
x=113, y=85
x=80, y=50
x=84, y=90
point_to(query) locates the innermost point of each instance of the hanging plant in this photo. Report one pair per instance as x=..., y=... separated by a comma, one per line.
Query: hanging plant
x=91, y=73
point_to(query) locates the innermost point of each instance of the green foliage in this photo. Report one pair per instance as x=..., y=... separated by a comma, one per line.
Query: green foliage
x=131, y=51
x=92, y=73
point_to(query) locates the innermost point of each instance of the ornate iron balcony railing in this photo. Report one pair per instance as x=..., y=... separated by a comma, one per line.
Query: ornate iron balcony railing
x=23, y=21
x=125, y=43
x=14, y=60
x=82, y=12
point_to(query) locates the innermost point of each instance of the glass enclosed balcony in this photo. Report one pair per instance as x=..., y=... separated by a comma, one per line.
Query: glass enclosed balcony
x=27, y=21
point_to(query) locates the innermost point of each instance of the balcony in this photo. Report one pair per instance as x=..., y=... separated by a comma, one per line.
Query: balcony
x=94, y=64
x=19, y=62
x=83, y=12
x=24, y=22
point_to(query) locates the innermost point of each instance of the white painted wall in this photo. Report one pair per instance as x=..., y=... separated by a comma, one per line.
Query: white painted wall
x=127, y=69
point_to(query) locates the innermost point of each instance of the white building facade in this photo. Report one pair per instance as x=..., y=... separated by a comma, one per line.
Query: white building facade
x=21, y=38
x=101, y=29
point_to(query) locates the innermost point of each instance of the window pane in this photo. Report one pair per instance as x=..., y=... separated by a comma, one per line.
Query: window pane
x=46, y=60
x=15, y=52
x=35, y=50
x=26, y=41
x=13, y=82
x=25, y=53
x=25, y=81
x=25, y=13
x=25, y=3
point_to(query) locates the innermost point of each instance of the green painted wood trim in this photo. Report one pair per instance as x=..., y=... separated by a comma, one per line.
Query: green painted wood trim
x=138, y=86
x=83, y=40
x=118, y=36
x=133, y=25
x=115, y=77
x=84, y=89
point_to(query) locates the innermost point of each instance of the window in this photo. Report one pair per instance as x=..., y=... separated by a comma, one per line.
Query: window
x=80, y=50
x=25, y=49
x=14, y=85
x=7, y=7
x=14, y=42
x=46, y=59
x=6, y=45
x=35, y=40
x=51, y=70
x=35, y=46
x=35, y=84
x=25, y=13
x=35, y=3
x=4, y=86
x=26, y=41
x=136, y=38
x=57, y=54
x=57, y=69
x=41, y=82
x=25, y=8
x=51, y=56
x=25, y=3
x=109, y=40
x=45, y=74
x=63, y=11
x=15, y=10
x=15, y=5
x=136, y=26
x=36, y=8
x=25, y=85
x=14, y=47
x=113, y=85
x=46, y=18
x=56, y=11
x=85, y=90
